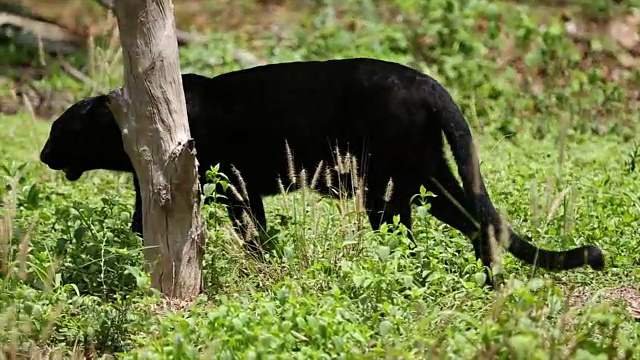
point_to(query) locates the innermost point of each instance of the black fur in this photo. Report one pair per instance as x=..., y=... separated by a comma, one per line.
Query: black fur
x=391, y=117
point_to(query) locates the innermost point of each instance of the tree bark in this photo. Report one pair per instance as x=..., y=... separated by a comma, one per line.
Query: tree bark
x=151, y=113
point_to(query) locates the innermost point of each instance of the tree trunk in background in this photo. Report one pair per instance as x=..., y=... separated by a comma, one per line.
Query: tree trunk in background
x=152, y=115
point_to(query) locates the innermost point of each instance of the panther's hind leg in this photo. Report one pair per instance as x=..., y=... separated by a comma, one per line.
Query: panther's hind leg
x=451, y=206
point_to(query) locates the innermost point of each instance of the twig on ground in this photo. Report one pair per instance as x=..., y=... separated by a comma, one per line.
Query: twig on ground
x=75, y=73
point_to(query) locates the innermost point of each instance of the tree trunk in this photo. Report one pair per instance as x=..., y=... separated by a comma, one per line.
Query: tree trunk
x=151, y=113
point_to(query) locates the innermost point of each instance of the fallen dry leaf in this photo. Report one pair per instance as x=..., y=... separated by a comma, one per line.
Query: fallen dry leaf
x=626, y=31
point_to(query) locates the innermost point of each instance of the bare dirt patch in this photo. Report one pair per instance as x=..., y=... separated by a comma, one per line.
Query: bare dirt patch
x=629, y=296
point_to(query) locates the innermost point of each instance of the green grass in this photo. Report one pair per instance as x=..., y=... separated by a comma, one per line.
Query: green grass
x=559, y=150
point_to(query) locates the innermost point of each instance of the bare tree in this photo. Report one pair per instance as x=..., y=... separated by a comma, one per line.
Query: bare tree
x=152, y=115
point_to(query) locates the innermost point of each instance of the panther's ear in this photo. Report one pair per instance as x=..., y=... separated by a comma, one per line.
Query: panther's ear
x=83, y=107
x=99, y=113
x=93, y=107
x=101, y=104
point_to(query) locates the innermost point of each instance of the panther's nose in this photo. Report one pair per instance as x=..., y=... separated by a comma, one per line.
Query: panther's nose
x=44, y=154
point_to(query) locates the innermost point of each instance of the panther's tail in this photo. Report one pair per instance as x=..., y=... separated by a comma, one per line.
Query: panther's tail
x=458, y=135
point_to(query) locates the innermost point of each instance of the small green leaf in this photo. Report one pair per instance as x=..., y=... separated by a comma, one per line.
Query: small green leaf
x=208, y=189
x=383, y=252
x=79, y=232
x=536, y=283
x=385, y=327
x=33, y=196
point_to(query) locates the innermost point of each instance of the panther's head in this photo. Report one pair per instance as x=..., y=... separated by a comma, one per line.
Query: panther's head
x=85, y=137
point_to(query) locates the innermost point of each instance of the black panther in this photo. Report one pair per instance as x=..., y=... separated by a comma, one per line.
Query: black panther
x=393, y=118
